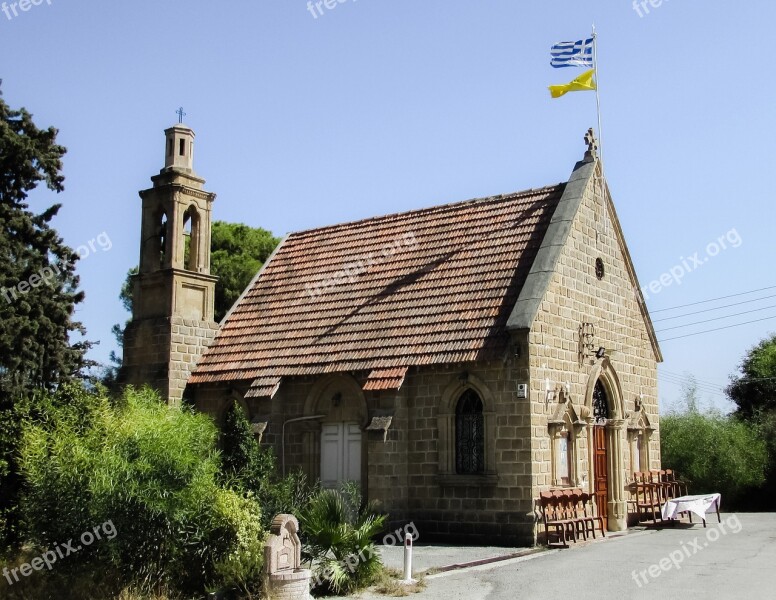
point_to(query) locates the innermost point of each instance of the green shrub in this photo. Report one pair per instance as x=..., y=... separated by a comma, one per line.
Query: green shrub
x=338, y=528
x=252, y=471
x=714, y=453
x=152, y=470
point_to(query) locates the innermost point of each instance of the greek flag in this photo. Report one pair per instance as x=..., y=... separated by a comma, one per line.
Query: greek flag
x=572, y=54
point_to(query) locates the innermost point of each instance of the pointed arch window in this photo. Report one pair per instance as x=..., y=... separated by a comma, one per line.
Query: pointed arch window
x=600, y=404
x=469, y=434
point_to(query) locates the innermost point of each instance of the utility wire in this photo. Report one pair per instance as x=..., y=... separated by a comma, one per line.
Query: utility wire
x=705, y=390
x=684, y=376
x=717, y=329
x=697, y=312
x=746, y=312
x=685, y=380
x=773, y=287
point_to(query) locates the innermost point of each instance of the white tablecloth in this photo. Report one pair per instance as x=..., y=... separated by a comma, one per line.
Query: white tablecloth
x=698, y=505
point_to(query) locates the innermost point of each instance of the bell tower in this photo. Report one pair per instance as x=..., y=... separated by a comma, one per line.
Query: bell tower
x=173, y=292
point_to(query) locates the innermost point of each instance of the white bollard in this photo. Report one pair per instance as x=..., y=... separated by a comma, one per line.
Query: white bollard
x=408, y=558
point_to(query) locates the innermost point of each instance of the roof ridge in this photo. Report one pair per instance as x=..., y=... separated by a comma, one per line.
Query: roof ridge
x=437, y=207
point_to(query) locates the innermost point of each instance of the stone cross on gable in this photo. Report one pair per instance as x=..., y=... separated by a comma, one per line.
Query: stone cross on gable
x=592, y=144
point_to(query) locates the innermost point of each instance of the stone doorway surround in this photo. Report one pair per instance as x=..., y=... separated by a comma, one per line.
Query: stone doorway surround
x=615, y=426
x=340, y=398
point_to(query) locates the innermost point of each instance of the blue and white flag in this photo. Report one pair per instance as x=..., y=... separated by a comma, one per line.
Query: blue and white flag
x=573, y=54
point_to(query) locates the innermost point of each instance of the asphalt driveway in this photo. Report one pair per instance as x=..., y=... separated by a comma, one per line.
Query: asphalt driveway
x=734, y=559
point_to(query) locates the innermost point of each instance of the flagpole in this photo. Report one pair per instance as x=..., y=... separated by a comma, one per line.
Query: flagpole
x=598, y=97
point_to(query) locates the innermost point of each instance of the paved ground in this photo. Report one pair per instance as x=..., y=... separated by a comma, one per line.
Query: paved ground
x=432, y=557
x=735, y=559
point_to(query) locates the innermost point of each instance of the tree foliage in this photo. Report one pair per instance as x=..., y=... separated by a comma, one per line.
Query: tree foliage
x=38, y=283
x=238, y=252
x=153, y=471
x=754, y=390
x=714, y=452
x=252, y=470
x=339, y=527
x=38, y=292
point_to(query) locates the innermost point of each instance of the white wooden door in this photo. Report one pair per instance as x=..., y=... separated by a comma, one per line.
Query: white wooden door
x=340, y=454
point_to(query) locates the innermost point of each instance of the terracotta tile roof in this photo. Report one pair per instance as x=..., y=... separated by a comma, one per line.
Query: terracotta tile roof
x=385, y=379
x=431, y=286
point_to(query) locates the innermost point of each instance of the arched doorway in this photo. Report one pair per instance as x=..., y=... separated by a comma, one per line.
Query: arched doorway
x=604, y=411
x=600, y=453
x=334, y=444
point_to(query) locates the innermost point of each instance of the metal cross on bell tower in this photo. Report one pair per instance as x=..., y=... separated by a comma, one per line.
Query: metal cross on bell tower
x=180, y=114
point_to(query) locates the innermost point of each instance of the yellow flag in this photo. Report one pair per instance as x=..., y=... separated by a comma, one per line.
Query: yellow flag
x=583, y=83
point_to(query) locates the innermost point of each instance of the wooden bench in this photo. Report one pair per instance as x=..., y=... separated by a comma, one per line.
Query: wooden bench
x=567, y=513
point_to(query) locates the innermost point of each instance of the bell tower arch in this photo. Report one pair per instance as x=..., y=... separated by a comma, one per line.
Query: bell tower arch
x=173, y=292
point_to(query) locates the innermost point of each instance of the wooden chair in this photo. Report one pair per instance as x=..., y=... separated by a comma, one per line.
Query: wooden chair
x=590, y=515
x=648, y=496
x=553, y=517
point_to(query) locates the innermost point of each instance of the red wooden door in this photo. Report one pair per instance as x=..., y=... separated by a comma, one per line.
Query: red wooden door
x=601, y=474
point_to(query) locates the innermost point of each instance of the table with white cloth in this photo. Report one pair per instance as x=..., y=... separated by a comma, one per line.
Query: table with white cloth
x=695, y=505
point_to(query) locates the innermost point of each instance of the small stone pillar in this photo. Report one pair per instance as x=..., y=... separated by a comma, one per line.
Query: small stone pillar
x=285, y=578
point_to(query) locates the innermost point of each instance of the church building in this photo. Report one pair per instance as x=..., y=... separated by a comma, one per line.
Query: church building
x=456, y=361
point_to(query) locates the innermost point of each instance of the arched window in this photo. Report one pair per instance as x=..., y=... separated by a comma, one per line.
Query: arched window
x=600, y=404
x=162, y=240
x=469, y=435
x=191, y=239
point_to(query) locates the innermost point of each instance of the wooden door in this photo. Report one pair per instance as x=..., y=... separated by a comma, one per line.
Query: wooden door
x=601, y=473
x=340, y=454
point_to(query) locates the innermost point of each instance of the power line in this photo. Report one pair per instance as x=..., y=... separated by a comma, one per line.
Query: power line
x=773, y=287
x=717, y=329
x=697, y=312
x=746, y=312
x=685, y=380
x=684, y=375
x=690, y=374
x=702, y=388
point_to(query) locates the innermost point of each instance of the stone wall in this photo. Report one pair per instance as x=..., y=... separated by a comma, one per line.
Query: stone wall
x=406, y=472
x=577, y=296
x=162, y=352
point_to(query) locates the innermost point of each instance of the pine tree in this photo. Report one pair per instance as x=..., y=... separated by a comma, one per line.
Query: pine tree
x=38, y=290
x=38, y=284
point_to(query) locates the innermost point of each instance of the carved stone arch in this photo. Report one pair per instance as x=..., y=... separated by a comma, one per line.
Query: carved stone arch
x=447, y=419
x=458, y=386
x=604, y=372
x=323, y=400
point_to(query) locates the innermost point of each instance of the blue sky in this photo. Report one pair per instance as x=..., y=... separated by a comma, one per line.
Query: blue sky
x=376, y=107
